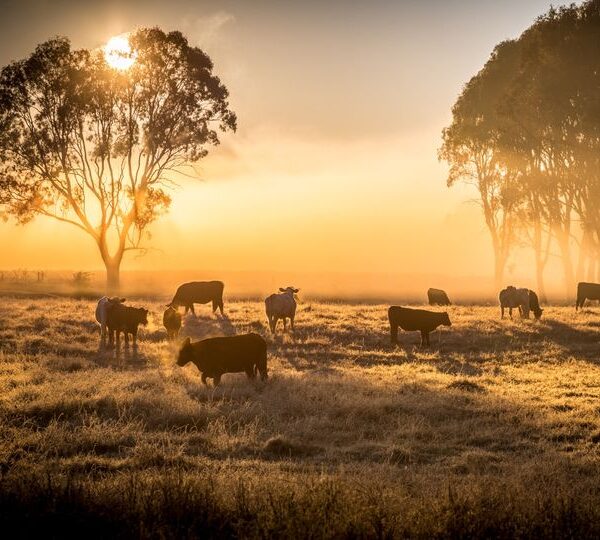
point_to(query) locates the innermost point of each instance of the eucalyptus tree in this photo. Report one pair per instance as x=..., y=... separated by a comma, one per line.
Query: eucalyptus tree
x=471, y=146
x=533, y=114
x=97, y=147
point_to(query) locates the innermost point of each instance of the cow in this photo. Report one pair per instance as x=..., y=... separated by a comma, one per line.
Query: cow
x=511, y=298
x=281, y=305
x=534, y=304
x=102, y=312
x=199, y=292
x=244, y=353
x=124, y=319
x=172, y=322
x=415, y=320
x=586, y=291
x=437, y=297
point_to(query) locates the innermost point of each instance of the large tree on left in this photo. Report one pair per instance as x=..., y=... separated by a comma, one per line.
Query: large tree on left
x=97, y=147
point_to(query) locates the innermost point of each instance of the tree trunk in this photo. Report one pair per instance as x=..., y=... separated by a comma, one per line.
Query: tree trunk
x=540, y=261
x=592, y=267
x=499, y=266
x=113, y=283
x=584, y=253
x=565, y=252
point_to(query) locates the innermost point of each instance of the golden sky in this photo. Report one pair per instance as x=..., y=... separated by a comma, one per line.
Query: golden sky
x=340, y=108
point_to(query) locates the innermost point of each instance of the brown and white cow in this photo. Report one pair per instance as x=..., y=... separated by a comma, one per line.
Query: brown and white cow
x=281, y=306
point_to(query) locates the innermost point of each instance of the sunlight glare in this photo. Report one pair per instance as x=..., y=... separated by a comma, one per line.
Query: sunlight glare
x=118, y=53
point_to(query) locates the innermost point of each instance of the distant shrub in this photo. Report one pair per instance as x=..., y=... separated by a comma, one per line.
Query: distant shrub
x=82, y=278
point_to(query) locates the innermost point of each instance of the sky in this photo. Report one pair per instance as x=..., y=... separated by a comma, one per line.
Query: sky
x=340, y=110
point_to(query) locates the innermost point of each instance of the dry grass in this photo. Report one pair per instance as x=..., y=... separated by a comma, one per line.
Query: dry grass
x=493, y=431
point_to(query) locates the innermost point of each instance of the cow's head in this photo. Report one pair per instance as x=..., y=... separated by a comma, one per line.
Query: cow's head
x=289, y=290
x=537, y=313
x=446, y=319
x=116, y=300
x=142, y=316
x=186, y=353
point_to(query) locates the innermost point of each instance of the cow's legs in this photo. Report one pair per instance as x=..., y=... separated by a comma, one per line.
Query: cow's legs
x=292, y=322
x=187, y=308
x=510, y=312
x=502, y=312
x=217, y=304
x=193, y=310
x=424, y=338
x=284, y=324
x=394, y=333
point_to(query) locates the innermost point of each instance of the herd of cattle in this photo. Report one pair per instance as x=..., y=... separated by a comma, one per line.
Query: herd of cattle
x=247, y=353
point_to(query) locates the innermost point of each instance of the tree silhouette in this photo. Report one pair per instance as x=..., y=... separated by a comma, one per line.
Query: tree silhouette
x=471, y=145
x=528, y=124
x=97, y=147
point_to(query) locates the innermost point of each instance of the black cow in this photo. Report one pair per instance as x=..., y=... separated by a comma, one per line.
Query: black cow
x=199, y=292
x=126, y=319
x=586, y=291
x=437, y=297
x=213, y=357
x=534, y=304
x=415, y=320
x=172, y=322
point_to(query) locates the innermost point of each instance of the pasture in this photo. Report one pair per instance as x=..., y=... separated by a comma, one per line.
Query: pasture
x=493, y=430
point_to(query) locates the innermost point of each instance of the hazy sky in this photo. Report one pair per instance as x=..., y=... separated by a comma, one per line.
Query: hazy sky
x=340, y=107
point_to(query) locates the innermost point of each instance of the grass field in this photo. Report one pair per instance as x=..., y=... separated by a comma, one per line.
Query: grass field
x=492, y=431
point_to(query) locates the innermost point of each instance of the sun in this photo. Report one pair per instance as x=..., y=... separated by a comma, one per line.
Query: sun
x=118, y=53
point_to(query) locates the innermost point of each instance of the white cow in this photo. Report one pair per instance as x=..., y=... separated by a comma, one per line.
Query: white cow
x=102, y=312
x=281, y=306
x=511, y=297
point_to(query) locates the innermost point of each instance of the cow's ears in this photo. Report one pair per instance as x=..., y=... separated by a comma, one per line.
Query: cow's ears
x=122, y=300
x=296, y=290
x=281, y=289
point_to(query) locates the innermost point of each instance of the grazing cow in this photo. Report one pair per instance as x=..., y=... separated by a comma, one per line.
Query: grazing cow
x=213, y=357
x=415, y=320
x=511, y=297
x=534, y=304
x=172, y=322
x=125, y=319
x=437, y=297
x=102, y=312
x=199, y=292
x=281, y=306
x=586, y=291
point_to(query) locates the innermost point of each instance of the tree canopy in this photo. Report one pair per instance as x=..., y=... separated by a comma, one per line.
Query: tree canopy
x=98, y=147
x=526, y=131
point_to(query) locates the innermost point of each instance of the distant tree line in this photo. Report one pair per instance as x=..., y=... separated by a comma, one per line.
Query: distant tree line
x=525, y=132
